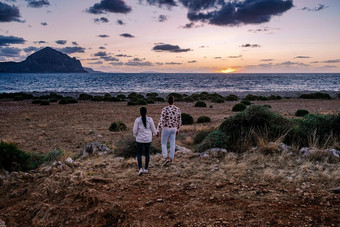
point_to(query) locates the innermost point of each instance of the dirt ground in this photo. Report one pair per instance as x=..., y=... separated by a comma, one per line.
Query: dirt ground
x=248, y=189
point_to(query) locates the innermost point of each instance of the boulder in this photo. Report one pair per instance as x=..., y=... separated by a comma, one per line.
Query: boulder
x=183, y=150
x=95, y=148
x=214, y=153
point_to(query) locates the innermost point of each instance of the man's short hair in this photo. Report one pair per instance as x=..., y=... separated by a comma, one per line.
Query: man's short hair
x=171, y=100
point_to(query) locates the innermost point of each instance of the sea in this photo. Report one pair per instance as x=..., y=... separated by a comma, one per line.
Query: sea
x=286, y=84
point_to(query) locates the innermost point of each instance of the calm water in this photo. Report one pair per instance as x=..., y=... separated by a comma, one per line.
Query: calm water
x=166, y=83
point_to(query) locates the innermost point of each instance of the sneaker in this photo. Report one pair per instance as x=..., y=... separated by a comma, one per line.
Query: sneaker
x=140, y=172
x=146, y=171
x=166, y=160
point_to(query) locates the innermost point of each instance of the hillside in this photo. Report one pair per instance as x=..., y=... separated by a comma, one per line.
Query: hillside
x=46, y=60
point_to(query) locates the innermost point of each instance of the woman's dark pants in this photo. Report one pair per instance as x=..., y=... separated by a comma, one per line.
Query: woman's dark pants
x=143, y=148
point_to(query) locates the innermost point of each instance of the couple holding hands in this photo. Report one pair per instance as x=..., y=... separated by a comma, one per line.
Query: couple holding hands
x=144, y=128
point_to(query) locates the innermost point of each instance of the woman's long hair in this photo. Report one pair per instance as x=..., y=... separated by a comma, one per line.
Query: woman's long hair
x=143, y=114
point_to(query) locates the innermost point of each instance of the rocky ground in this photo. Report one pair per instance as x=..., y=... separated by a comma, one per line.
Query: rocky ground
x=208, y=190
x=284, y=188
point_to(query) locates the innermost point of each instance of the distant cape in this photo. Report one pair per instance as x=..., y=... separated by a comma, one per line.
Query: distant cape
x=46, y=60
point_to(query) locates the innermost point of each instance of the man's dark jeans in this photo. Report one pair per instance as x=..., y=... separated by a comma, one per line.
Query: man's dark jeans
x=146, y=148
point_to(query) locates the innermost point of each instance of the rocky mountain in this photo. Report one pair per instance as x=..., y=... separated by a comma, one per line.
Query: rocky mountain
x=46, y=60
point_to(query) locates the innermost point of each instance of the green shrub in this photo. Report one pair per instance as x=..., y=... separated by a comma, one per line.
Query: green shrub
x=267, y=106
x=107, y=97
x=97, y=98
x=199, y=137
x=53, y=155
x=239, y=107
x=204, y=96
x=121, y=96
x=246, y=102
x=188, y=99
x=203, y=119
x=159, y=99
x=134, y=96
x=141, y=102
x=45, y=102
x=301, y=113
x=131, y=103
x=126, y=147
x=316, y=130
x=115, y=99
x=217, y=100
x=200, y=104
x=36, y=101
x=187, y=119
x=250, y=97
x=150, y=101
x=178, y=97
x=68, y=100
x=216, y=139
x=237, y=129
x=117, y=126
x=231, y=98
x=193, y=97
x=317, y=95
x=13, y=159
x=152, y=94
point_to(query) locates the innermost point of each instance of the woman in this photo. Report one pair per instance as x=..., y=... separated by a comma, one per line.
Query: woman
x=143, y=130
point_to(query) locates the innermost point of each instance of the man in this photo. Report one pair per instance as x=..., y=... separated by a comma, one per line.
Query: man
x=169, y=124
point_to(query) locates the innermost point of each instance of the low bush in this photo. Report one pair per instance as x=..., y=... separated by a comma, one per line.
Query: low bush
x=159, y=99
x=97, y=98
x=16, y=96
x=178, y=97
x=137, y=102
x=239, y=107
x=121, y=96
x=316, y=95
x=216, y=139
x=204, y=96
x=36, y=101
x=231, y=98
x=235, y=130
x=203, y=119
x=45, y=102
x=199, y=137
x=217, y=100
x=126, y=147
x=187, y=119
x=200, y=104
x=246, y=102
x=152, y=94
x=85, y=97
x=68, y=100
x=316, y=130
x=301, y=113
x=117, y=126
x=14, y=159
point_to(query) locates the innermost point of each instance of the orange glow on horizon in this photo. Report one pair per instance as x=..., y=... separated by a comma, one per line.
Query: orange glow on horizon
x=228, y=70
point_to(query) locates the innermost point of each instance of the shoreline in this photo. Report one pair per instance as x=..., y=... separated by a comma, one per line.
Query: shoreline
x=240, y=94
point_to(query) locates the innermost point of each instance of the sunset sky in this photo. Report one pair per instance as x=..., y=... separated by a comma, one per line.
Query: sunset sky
x=205, y=36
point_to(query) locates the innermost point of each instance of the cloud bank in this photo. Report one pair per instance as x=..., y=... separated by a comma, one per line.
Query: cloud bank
x=109, y=6
x=9, y=13
x=169, y=48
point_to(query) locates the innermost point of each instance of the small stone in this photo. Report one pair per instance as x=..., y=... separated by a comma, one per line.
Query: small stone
x=69, y=161
x=160, y=200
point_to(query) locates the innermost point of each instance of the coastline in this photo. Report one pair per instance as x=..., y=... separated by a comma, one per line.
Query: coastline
x=283, y=94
